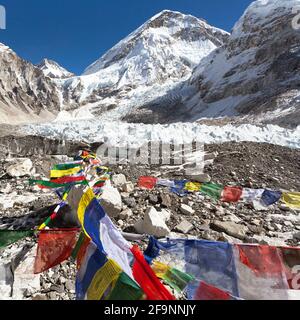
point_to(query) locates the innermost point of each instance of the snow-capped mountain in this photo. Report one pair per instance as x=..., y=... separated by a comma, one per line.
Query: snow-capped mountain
x=173, y=68
x=143, y=66
x=52, y=69
x=26, y=95
x=255, y=75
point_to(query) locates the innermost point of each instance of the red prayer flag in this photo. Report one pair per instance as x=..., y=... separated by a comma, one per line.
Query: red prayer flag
x=208, y=292
x=82, y=251
x=232, y=194
x=262, y=260
x=147, y=182
x=147, y=279
x=54, y=247
x=68, y=179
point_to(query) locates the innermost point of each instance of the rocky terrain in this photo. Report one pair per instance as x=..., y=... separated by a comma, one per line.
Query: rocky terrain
x=132, y=209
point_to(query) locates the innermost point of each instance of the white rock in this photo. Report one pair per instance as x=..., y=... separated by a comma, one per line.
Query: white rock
x=184, y=227
x=125, y=214
x=128, y=187
x=185, y=209
x=152, y=224
x=24, y=278
x=119, y=179
x=21, y=168
x=166, y=214
x=202, y=178
x=111, y=201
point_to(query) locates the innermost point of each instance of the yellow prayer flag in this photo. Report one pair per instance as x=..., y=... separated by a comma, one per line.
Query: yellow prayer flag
x=160, y=269
x=291, y=199
x=103, y=278
x=192, y=186
x=63, y=173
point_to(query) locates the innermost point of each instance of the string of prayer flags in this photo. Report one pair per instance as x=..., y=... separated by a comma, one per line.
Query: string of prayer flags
x=54, y=247
x=224, y=271
x=8, y=237
x=261, y=199
x=106, y=262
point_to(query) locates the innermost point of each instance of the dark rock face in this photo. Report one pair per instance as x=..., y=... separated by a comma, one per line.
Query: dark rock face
x=35, y=145
x=25, y=93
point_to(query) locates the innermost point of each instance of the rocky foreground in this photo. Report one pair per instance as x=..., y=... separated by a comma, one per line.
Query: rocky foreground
x=252, y=165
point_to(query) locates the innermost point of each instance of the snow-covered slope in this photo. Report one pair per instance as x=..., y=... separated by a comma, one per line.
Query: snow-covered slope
x=144, y=65
x=256, y=73
x=52, y=69
x=26, y=95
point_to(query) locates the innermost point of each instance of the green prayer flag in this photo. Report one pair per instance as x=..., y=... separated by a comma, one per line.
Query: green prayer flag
x=50, y=184
x=125, y=289
x=66, y=166
x=212, y=190
x=8, y=237
x=78, y=245
x=177, y=279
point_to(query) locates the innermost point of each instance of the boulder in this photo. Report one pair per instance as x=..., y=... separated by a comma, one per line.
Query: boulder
x=231, y=228
x=184, y=227
x=24, y=277
x=185, y=209
x=153, y=224
x=128, y=187
x=111, y=201
x=202, y=178
x=20, y=168
x=166, y=200
x=125, y=214
x=119, y=179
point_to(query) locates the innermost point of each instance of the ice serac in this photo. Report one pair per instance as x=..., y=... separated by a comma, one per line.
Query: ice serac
x=148, y=63
x=52, y=69
x=26, y=95
x=256, y=73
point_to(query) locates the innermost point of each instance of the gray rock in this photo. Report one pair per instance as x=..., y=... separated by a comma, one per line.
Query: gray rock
x=125, y=214
x=39, y=296
x=231, y=228
x=70, y=285
x=185, y=209
x=152, y=224
x=111, y=201
x=130, y=202
x=184, y=227
x=119, y=179
x=166, y=200
x=20, y=168
x=128, y=187
x=296, y=236
x=153, y=199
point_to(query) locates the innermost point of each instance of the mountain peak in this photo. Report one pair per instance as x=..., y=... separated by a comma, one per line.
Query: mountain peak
x=156, y=35
x=52, y=69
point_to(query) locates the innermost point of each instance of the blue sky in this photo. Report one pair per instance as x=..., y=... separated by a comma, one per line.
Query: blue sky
x=75, y=33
